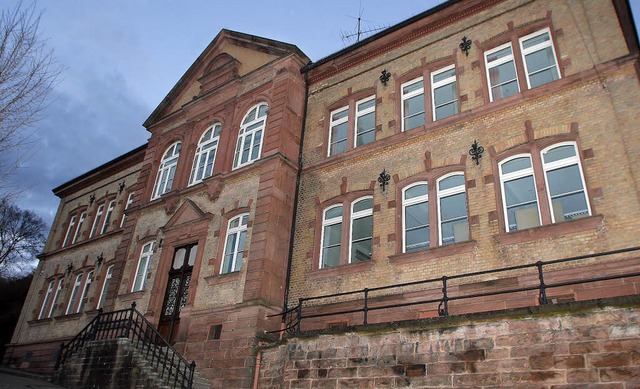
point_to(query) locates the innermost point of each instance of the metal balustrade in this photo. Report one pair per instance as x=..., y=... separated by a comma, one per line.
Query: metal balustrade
x=130, y=324
x=293, y=317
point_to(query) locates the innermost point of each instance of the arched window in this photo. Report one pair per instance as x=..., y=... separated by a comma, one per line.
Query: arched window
x=85, y=291
x=452, y=209
x=205, y=154
x=331, y=237
x=249, y=146
x=105, y=286
x=361, y=230
x=74, y=294
x=565, y=183
x=519, y=195
x=415, y=217
x=166, y=171
x=144, y=266
x=234, y=244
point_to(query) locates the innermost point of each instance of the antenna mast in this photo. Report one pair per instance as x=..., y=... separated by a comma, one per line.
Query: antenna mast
x=347, y=36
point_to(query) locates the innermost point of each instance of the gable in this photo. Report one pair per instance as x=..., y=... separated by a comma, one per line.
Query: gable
x=188, y=213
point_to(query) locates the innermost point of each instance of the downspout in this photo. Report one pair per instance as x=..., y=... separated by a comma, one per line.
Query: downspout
x=295, y=198
x=256, y=375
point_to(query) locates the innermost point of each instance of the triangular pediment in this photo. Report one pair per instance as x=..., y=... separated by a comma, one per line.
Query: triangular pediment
x=230, y=56
x=188, y=213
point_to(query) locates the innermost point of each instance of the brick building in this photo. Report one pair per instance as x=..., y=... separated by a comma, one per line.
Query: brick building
x=371, y=161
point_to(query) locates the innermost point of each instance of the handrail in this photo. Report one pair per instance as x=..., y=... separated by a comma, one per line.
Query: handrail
x=130, y=324
x=292, y=317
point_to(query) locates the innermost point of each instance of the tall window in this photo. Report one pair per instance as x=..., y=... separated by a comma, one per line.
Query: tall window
x=444, y=92
x=452, y=209
x=519, y=195
x=85, y=291
x=415, y=211
x=501, y=72
x=565, y=183
x=361, y=230
x=338, y=130
x=107, y=217
x=205, y=154
x=144, y=267
x=167, y=170
x=47, y=297
x=96, y=221
x=539, y=55
x=70, y=229
x=249, y=146
x=105, y=287
x=128, y=204
x=413, y=113
x=83, y=216
x=365, y=121
x=331, y=237
x=74, y=293
x=55, y=298
x=234, y=244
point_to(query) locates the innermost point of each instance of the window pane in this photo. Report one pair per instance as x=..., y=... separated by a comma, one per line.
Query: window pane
x=503, y=80
x=412, y=87
x=361, y=251
x=536, y=40
x=445, y=94
x=418, y=190
x=240, y=250
x=229, y=251
x=414, y=105
x=451, y=182
x=569, y=207
x=365, y=138
x=417, y=215
x=363, y=204
x=178, y=259
x=453, y=207
x=365, y=125
x=339, y=138
x=262, y=110
x=564, y=180
x=523, y=216
x=367, y=104
x=521, y=190
x=516, y=164
x=330, y=257
x=455, y=231
x=417, y=239
x=340, y=115
x=444, y=75
x=332, y=235
x=256, y=145
x=192, y=255
x=499, y=54
x=559, y=153
x=333, y=212
x=362, y=228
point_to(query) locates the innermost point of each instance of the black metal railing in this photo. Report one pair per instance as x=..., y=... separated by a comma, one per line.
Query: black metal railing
x=130, y=324
x=293, y=317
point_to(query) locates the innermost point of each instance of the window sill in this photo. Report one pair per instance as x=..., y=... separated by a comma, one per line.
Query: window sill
x=131, y=295
x=341, y=270
x=40, y=322
x=433, y=253
x=548, y=231
x=72, y=316
x=218, y=279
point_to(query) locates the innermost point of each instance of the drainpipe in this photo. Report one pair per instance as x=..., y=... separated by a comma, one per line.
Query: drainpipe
x=295, y=199
x=256, y=375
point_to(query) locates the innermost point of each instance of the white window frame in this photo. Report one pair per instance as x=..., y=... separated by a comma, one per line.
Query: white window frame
x=167, y=170
x=326, y=223
x=55, y=298
x=144, y=266
x=406, y=203
x=409, y=95
x=335, y=123
x=498, y=62
x=85, y=290
x=513, y=176
x=74, y=293
x=238, y=252
x=439, y=84
x=72, y=224
x=105, y=285
x=47, y=296
x=205, y=153
x=441, y=194
x=107, y=217
x=76, y=235
x=538, y=47
x=124, y=211
x=96, y=220
x=245, y=133
x=546, y=167
x=361, y=113
x=359, y=215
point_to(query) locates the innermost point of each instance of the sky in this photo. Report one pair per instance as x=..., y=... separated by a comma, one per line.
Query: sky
x=121, y=57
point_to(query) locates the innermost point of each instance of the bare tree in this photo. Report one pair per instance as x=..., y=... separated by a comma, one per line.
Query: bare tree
x=27, y=73
x=21, y=237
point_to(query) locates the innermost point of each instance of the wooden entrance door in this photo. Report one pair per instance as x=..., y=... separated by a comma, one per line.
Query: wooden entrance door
x=177, y=290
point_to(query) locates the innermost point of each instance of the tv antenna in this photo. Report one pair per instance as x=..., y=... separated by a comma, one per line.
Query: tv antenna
x=348, y=37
